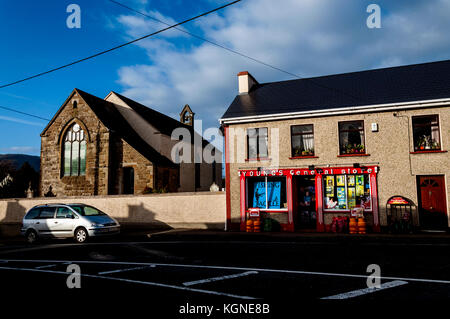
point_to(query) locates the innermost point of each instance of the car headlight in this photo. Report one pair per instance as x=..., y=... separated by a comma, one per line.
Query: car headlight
x=97, y=225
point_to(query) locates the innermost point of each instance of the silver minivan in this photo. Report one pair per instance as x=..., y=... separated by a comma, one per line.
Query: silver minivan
x=79, y=221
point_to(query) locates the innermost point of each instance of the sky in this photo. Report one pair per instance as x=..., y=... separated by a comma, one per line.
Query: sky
x=304, y=37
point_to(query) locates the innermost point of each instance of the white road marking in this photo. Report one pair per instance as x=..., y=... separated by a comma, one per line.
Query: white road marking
x=46, y=266
x=50, y=266
x=284, y=271
x=196, y=282
x=125, y=269
x=149, y=283
x=360, y=292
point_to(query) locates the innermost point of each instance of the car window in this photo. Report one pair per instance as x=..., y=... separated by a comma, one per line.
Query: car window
x=85, y=210
x=32, y=214
x=92, y=211
x=62, y=212
x=47, y=212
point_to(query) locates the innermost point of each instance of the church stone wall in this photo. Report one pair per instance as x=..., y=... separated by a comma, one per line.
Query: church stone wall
x=97, y=153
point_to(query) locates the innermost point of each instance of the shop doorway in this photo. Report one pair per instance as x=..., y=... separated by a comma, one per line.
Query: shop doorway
x=304, y=199
x=432, y=202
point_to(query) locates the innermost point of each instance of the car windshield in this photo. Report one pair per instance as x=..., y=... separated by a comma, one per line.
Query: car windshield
x=85, y=210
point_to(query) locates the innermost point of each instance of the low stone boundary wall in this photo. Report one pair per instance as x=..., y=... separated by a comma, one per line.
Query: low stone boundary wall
x=204, y=210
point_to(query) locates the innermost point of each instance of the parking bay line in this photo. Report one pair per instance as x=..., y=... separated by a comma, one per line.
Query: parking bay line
x=149, y=283
x=284, y=271
x=361, y=292
x=51, y=266
x=125, y=269
x=202, y=281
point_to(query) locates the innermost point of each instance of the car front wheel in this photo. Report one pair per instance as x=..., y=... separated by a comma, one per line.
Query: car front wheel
x=81, y=235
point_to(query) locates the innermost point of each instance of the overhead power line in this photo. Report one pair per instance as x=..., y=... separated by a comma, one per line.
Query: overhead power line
x=235, y=51
x=206, y=40
x=23, y=113
x=119, y=46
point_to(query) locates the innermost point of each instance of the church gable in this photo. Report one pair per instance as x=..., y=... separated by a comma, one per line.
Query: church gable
x=71, y=149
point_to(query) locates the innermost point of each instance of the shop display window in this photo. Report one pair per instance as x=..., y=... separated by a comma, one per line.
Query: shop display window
x=344, y=192
x=426, y=133
x=266, y=193
x=351, y=138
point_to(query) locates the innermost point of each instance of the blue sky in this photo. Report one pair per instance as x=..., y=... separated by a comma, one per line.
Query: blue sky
x=305, y=37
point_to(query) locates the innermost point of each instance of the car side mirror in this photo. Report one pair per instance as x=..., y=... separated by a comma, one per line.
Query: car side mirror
x=71, y=216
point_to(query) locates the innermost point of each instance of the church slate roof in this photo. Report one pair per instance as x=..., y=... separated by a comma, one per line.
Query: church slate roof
x=114, y=121
x=418, y=82
x=163, y=123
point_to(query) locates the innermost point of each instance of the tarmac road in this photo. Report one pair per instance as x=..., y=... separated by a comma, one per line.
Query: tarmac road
x=203, y=268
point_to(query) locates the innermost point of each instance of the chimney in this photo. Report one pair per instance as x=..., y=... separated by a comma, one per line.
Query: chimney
x=246, y=82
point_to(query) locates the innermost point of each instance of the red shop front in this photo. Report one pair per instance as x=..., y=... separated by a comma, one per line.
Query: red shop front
x=301, y=199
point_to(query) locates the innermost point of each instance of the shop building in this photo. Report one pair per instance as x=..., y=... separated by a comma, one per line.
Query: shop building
x=305, y=151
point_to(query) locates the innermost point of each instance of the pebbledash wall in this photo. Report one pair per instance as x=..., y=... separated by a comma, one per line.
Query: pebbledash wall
x=201, y=210
x=391, y=149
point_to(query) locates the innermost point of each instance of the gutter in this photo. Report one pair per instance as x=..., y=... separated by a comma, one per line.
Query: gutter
x=338, y=111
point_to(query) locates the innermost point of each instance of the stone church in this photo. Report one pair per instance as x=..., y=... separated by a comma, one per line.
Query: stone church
x=95, y=146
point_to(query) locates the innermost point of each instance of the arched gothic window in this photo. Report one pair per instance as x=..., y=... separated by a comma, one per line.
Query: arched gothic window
x=74, y=152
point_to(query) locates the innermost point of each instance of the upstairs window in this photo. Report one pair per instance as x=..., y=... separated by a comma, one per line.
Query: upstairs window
x=302, y=140
x=74, y=152
x=257, y=140
x=426, y=133
x=351, y=138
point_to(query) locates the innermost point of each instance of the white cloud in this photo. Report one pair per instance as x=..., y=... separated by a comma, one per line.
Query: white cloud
x=20, y=149
x=307, y=37
x=17, y=120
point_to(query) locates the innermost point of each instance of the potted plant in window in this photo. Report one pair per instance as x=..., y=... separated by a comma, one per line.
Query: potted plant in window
x=421, y=143
x=435, y=145
x=427, y=142
x=348, y=149
x=361, y=148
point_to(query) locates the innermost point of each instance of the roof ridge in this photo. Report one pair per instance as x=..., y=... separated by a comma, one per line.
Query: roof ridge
x=358, y=72
x=151, y=109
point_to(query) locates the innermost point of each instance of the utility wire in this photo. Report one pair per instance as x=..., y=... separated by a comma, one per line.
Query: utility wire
x=23, y=113
x=119, y=46
x=206, y=40
x=234, y=51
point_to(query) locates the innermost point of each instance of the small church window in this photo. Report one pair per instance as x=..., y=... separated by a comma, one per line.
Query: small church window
x=74, y=154
x=186, y=117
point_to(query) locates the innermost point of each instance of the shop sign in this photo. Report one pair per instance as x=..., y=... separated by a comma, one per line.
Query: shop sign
x=253, y=212
x=398, y=200
x=308, y=172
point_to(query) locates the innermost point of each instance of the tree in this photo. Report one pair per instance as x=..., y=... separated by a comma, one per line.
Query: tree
x=21, y=180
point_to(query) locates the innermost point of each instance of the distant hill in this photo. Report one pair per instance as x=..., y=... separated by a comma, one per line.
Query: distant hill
x=17, y=160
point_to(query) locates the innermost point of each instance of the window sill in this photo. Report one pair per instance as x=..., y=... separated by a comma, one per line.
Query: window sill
x=341, y=211
x=257, y=159
x=427, y=151
x=350, y=155
x=272, y=211
x=306, y=156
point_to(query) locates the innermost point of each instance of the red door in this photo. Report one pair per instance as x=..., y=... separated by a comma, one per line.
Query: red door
x=432, y=202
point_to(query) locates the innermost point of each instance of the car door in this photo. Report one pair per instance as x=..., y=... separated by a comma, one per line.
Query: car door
x=43, y=222
x=63, y=223
x=31, y=218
